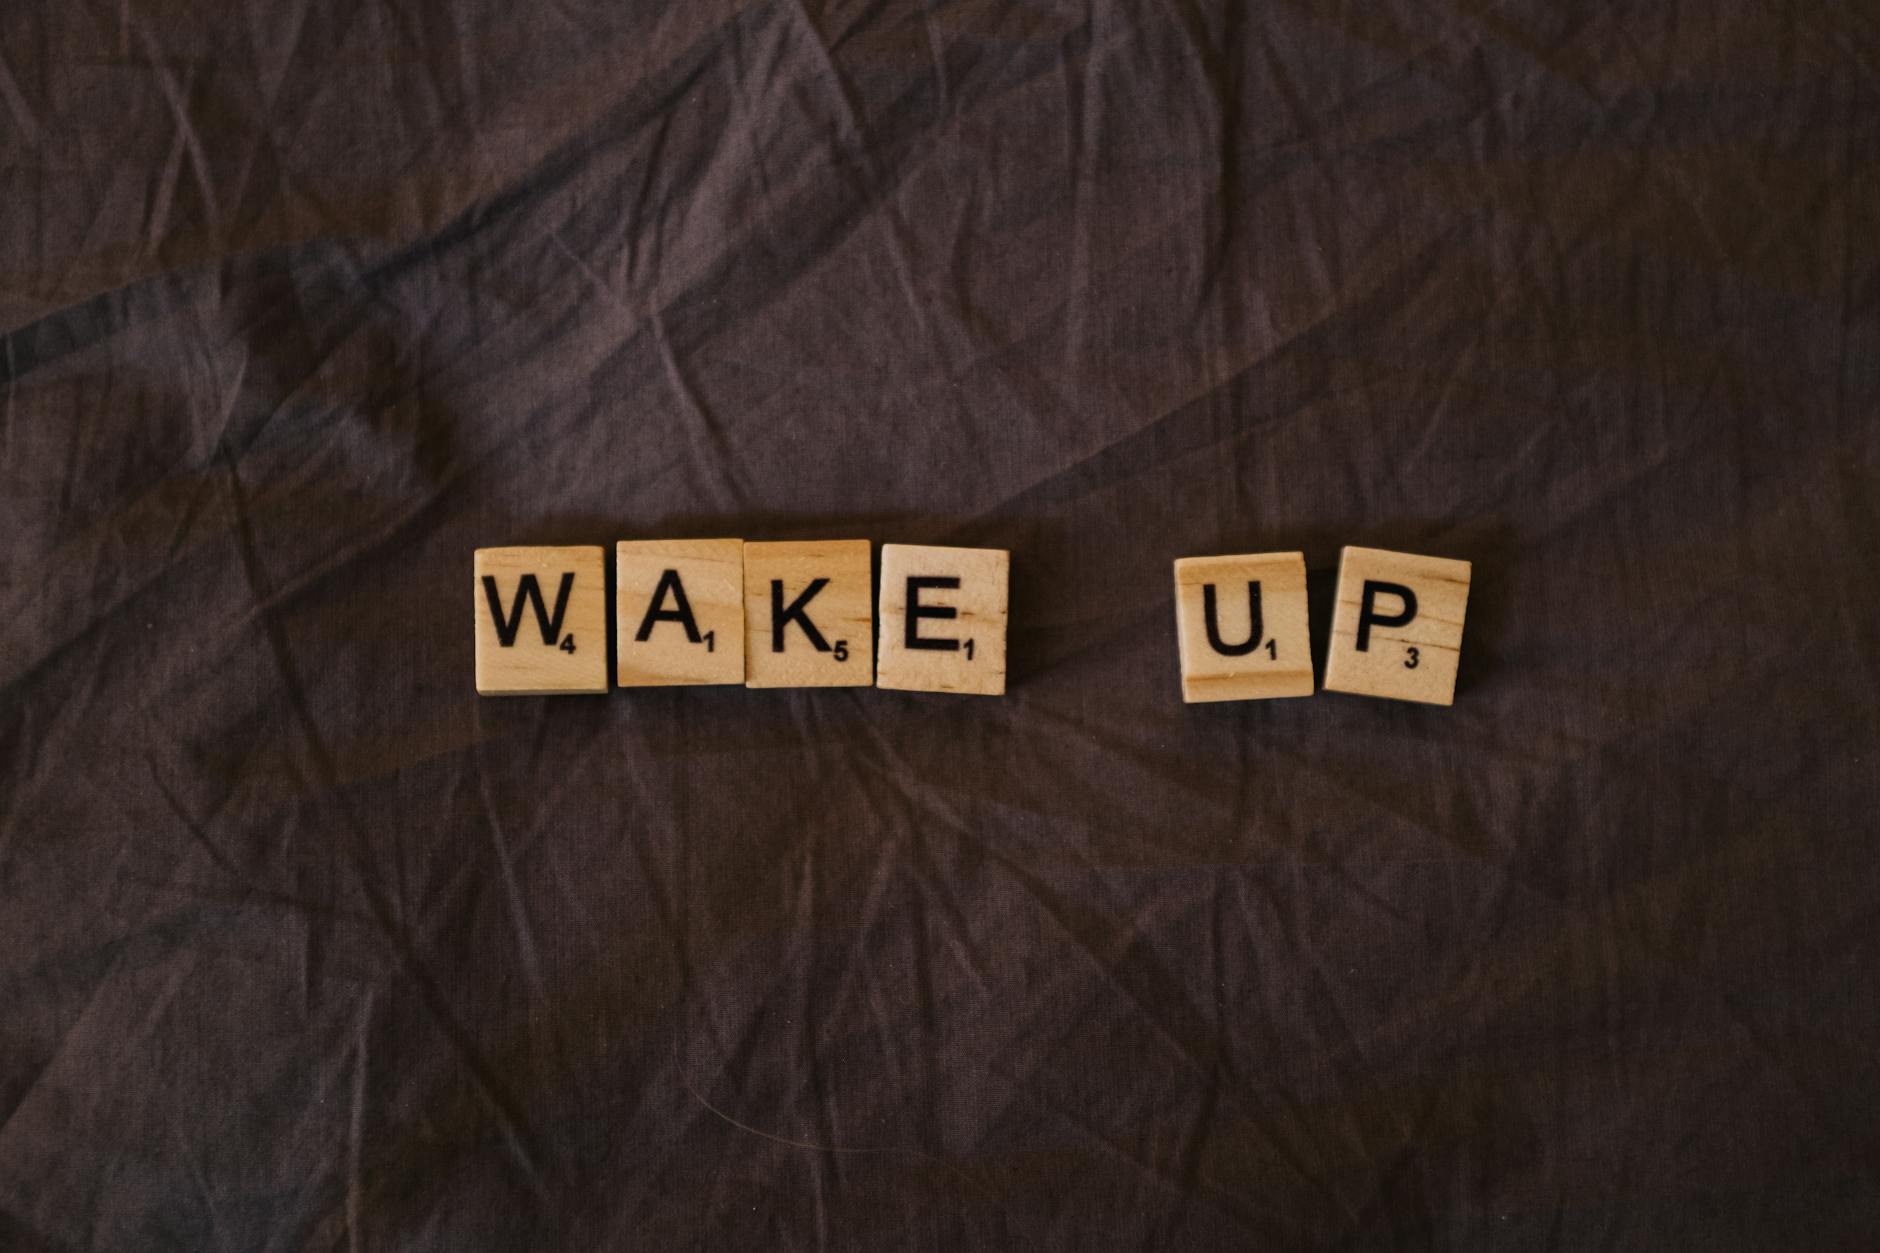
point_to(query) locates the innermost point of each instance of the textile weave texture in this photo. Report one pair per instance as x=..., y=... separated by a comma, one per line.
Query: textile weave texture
x=304, y=946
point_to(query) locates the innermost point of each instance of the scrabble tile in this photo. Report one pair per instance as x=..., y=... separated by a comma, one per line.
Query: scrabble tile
x=679, y=612
x=541, y=621
x=1397, y=628
x=809, y=614
x=1240, y=623
x=943, y=619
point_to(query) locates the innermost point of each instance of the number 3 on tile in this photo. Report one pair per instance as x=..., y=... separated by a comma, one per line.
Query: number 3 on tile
x=1414, y=659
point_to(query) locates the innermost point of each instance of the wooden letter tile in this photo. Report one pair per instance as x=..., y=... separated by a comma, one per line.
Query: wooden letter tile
x=943, y=619
x=679, y=616
x=1397, y=630
x=809, y=616
x=1241, y=626
x=541, y=621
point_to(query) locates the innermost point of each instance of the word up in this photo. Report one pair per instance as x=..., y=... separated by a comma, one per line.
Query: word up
x=719, y=611
x=1242, y=632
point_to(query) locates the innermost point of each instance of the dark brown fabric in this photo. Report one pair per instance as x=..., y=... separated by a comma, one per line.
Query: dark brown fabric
x=304, y=946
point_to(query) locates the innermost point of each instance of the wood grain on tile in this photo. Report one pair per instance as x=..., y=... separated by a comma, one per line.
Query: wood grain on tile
x=809, y=618
x=541, y=621
x=1241, y=627
x=943, y=613
x=1397, y=627
x=679, y=618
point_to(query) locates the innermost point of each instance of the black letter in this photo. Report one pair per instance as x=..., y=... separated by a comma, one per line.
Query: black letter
x=916, y=611
x=682, y=614
x=1369, y=617
x=780, y=617
x=527, y=590
x=1214, y=628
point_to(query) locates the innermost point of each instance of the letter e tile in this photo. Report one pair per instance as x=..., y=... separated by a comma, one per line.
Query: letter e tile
x=943, y=613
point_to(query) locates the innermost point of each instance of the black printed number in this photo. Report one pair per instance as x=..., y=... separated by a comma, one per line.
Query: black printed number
x=969, y=650
x=1272, y=648
x=1412, y=663
x=842, y=650
x=711, y=641
x=567, y=643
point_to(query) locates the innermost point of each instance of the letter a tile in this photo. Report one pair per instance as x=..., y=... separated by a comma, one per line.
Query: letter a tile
x=809, y=614
x=541, y=621
x=943, y=619
x=679, y=612
x=1397, y=630
x=1241, y=626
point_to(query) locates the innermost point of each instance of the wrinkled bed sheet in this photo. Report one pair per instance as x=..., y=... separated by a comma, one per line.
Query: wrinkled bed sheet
x=304, y=946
